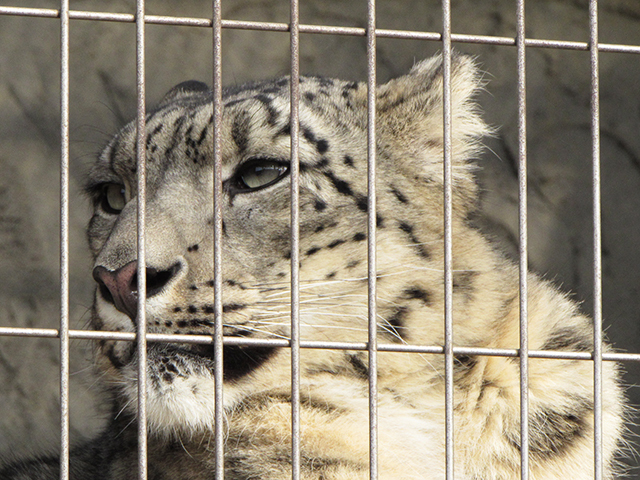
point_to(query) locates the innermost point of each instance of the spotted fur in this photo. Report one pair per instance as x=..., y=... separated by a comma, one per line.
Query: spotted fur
x=256, y=255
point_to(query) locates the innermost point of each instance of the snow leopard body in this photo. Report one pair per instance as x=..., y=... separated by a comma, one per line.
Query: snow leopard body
x=255, y=148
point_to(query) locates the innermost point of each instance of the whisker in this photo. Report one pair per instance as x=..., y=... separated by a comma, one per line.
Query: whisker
x=258, y=330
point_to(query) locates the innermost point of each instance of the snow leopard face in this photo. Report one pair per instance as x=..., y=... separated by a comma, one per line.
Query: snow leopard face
x=256, y=250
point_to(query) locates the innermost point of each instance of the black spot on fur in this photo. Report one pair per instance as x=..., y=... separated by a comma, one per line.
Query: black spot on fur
x=153, y=133
x=340, y=185
x=304, y=167
x=233, y=283
x=231, y=103
x=113, y=153
x=313, y=250
x=331, y=275
x=358, y=237
x=568, y=339
x=176, y=136
x=199, y=322
x=284, y=131
x=177, y=309
x=348, y=161
x=358, y=365
x=324, y=162
x=552, y=433
x=192, y=147
x=240, y=360
x=394, y=325
x=319, y=228
x=401, y=198
x=465, y=362
x=232, y=307
x=421, y=249
x=193, y=248
x=324, y=82
x=485, y=384
x=203, y=135
x=309, y=96
x=272, y=113
x=192, y=309
x=390, y=105
x=193, y=287
x=319, y=205
x=405, y=227
x=463, y=283
x=208, y=309
x=418, y=293
x=240, y=131
x=362, y=203
x=335, y=243
x=321, y=145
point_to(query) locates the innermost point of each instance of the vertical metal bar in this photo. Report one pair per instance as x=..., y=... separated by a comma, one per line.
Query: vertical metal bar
x=524, y=267
x=371, y=240
x=448, y=236
x=294, y=93
x=597, y=240
x=142, y=273
x=64, y=239
x=217, y=241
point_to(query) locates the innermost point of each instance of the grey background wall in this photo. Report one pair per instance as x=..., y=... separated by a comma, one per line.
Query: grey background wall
x=103, y=98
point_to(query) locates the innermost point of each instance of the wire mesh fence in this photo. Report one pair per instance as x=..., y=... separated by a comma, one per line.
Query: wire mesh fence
x=296, y=30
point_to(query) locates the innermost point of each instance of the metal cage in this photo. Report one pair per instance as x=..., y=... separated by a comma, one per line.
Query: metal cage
x=445, y=39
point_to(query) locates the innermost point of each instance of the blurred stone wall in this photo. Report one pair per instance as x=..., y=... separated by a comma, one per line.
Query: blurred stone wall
x=103, y=98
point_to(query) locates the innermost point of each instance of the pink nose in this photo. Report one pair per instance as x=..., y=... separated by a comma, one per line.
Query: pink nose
x=120, y=287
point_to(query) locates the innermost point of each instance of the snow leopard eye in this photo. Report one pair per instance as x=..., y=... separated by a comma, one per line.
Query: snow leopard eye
x=260, y=173
x=113, y=198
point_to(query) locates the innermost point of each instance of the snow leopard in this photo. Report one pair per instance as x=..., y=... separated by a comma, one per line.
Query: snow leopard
x=256, y=252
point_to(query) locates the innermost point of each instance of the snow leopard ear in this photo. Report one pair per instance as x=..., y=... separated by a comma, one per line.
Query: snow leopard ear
x=183, y=90
x=410, y=114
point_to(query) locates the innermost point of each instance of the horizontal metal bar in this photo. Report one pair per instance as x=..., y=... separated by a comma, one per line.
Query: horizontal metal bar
x=312, y=344
x=316, y=29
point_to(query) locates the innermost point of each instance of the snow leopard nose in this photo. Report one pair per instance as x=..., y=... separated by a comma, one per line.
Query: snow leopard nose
x=120, y=287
